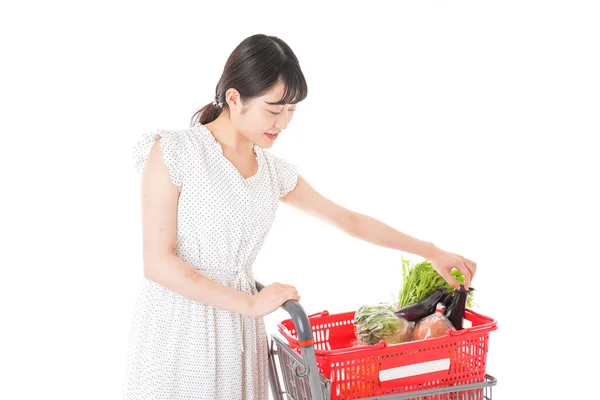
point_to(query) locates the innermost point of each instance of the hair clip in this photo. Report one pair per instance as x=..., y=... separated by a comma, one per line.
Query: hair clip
x=218, y=105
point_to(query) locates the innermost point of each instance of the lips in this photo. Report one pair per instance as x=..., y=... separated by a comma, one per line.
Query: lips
x=271, y=136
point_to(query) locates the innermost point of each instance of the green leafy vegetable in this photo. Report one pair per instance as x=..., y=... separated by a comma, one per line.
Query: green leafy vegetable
x=420, y=280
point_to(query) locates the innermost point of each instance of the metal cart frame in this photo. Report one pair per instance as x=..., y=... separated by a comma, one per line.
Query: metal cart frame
x=302, y=381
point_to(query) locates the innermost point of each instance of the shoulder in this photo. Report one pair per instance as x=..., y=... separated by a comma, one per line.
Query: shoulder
x=173, y=145
x=283, y=172
x=173, y=140
x=276, y=161
x=176, y=136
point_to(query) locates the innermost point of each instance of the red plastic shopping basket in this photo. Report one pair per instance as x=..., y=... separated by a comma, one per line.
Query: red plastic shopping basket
x=367, y=371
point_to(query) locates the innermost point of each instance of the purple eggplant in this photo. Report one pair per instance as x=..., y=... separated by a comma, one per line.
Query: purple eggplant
x=447, y=299
x=425, y=307
x=455, y=310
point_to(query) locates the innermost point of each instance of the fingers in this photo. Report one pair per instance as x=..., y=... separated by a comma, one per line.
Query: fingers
x=286, y=286
x=292, y=294
x=462, y=267
x=295, y=294
x=288, y=292
x=472, y=267
x=449, y=278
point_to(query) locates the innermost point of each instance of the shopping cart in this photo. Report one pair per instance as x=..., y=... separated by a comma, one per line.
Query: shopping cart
x=294, y=373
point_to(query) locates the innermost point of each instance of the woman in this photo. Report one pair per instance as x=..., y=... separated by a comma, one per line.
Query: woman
x=209, y=197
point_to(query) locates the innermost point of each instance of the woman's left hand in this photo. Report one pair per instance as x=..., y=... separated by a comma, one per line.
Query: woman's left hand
x=444, y=262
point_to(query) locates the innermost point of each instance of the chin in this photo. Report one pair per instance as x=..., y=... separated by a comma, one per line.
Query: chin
x=264, y=142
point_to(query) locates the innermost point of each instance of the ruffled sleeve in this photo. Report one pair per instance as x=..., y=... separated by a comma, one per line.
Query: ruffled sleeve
x=171, y=153
x=286, y=174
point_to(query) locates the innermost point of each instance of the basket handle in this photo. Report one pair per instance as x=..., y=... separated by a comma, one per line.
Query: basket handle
x=377, y=346
x=490, y=324
x=324, y=313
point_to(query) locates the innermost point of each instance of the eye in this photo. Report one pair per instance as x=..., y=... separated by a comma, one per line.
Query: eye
x=277, y=113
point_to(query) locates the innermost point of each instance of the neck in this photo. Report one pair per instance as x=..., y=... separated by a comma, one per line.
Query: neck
x=224, y=132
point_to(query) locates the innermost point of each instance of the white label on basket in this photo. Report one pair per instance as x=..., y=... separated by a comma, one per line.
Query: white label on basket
x=414, y=369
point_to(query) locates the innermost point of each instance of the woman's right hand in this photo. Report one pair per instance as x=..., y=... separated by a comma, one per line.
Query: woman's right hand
x=271, y=298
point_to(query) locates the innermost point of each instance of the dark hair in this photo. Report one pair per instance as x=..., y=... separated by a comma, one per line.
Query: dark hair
x=255, y=66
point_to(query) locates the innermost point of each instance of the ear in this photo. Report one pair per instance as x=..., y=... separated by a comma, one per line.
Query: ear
x=233, y=99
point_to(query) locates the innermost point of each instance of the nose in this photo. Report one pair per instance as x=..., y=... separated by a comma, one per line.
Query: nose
x=282, y=120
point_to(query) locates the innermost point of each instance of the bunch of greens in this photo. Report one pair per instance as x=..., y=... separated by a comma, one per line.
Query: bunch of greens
x=420, y=280
x=376, y=323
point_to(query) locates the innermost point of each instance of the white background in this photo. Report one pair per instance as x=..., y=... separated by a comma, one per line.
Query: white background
x=469, y=124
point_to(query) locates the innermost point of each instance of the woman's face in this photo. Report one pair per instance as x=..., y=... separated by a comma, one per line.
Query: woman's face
x=261, y=122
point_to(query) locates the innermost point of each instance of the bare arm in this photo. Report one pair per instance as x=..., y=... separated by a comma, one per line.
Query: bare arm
x=306, y=198
x=379, y=233
x=361, y=226
x=159, y=227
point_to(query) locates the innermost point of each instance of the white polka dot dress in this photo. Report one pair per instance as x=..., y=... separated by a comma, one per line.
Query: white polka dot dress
x=181, y=349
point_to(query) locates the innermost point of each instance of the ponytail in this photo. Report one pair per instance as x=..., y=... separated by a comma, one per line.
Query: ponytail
x=206, y=114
